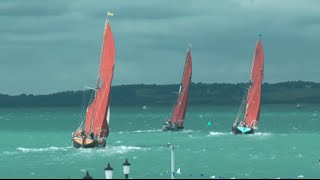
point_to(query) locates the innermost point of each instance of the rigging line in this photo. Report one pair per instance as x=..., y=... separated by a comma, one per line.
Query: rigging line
x=94, y=111
x=82, y=104
x=241, y=108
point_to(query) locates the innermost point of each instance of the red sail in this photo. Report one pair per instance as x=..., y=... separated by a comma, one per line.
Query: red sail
x=97, y=112
x=181, y=106
x=254, y=94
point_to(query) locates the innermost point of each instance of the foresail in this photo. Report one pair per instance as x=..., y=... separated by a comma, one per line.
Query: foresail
x=254, y=95
x=181, y=105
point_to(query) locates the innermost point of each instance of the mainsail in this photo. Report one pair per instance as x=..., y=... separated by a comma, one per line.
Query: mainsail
x=181, y=106
x=254, y=95
x=96, y=116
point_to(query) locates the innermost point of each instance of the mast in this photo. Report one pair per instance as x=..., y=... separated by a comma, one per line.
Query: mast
x=240, y=110
x=181, y=105
x=96, y=117
x=254, y=95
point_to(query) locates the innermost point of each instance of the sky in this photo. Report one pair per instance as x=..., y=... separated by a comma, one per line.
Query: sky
x=54, y=45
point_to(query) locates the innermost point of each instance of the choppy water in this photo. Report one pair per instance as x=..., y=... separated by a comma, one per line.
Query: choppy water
x=36, y=143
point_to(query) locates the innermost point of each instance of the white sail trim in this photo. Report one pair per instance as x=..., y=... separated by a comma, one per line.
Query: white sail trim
x=108, y=115
x=180, y=89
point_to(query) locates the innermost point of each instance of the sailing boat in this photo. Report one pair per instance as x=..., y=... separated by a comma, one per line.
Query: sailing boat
x=176, y=122
x=253, y=102
x=298, y=106
x=94, y=129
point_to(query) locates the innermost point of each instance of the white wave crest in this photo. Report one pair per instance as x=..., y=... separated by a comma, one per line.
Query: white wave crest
x=9, y=153
x=147, y=131
x=218, y=134
x=141, y=131
x=110, y=150
x=187, y=131
x=52, y=148
x=261, y=134
x=124, y=149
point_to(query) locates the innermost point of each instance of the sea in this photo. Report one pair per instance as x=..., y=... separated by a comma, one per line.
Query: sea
x=36, y=143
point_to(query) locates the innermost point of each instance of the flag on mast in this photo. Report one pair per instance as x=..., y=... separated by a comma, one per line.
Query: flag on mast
x=109, y=13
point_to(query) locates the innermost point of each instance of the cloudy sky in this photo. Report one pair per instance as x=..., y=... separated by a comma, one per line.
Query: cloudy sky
x=52, y=46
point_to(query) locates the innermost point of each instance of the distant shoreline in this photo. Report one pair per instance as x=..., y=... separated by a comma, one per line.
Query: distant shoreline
x=291, y=92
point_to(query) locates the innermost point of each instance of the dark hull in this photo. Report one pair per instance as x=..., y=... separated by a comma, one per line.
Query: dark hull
x=235, y=130
x=89, y=143
x=171, y=128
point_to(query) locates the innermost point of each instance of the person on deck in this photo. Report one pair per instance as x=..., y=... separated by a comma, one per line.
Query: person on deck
x=82, y=134
x=91, y=135
x=168, y=120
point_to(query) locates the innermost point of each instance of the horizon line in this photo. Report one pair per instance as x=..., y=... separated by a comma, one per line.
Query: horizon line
x=142, y=84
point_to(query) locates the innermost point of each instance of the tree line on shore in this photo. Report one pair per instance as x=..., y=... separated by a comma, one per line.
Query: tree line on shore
x=199, y=94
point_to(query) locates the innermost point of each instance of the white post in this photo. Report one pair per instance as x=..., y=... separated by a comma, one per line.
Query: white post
x=172, y=161
x=108, y=171
x=126, y=169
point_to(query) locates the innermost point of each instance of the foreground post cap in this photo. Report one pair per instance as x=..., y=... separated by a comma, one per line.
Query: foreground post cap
x=126, y=163
x=87, y=176
x=108, y=168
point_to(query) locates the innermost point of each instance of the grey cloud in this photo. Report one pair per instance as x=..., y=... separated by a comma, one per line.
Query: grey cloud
x=55, y=45
x=34, y=8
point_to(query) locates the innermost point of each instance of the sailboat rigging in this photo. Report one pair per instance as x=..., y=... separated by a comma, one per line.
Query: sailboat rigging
x=94, y=130
x=253, y=100
x=180, y=108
